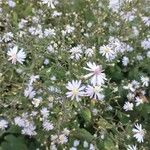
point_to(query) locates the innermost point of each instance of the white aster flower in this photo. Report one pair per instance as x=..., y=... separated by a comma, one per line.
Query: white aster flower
x=36, y=102
x=8, y=36
x=132, y=147
x=56, y=14
x=33, y=78
x=45, y=112
x=114, y=5
x=75, y=90
x=3, y=124
x=48, y=125
x=76, y=52
x=66, y=131
x=92, y=147
x=128, y=16
x=19, y=121
x=63, y=139
x=15, y=55
x=89, y=52
x=107, y=52
x=22, y=23
x=94, y=92
x=49, y=32
x=11, y=3
x=96, y=74
x=50, y=3
x=50, y=49
x=128, y=106
x=138, y=101
x=29, y=130
x=125, y=61
x=146, y=44
x=146, y=20
x=145, y=81
x=29, y=92
x=139, y=57
x=76, y=143
x=138, y=133
x=69, y=29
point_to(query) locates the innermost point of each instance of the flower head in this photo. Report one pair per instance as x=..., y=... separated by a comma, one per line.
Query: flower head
x=132, y=147
x=145, y=81
x=94, y=92
x=75, y=90
x=107, y=52
x=15, y=55
x=3, y=124
x=138, y=132
x=96, y=74
x=128, y=106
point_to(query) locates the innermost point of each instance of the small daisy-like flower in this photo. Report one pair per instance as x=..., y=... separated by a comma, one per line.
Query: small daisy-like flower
x=138, y=101
x=128, y=106
x=36, y=102
x=33, y=78
x=45, y=112
x=47, y=125
x=132, y=147
x=69, y=29
x=11, y=3
x=145, y=81
x=75, y=90
x=29, y=130
x=49, y=32
x=76, y=143
x=76, y=52
x=89, y=52
x=146, y=44
x=29, y=92
x=138, y=133
x=15, y=55
x=94, y=92
x=66, y=131
x=50, y=3
x=107, y=52
x=63, y=139
x=96, y=74
x=19, y=121
x=125, y=61
x=146, y=20
x=3, y=124
x=8, y=36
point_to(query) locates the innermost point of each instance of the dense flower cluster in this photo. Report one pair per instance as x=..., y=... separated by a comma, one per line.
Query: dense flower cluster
x=74, y=74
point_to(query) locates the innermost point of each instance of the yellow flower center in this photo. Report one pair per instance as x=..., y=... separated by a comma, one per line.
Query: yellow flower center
x=107, y=49
x=75, y=91
x=96, y=89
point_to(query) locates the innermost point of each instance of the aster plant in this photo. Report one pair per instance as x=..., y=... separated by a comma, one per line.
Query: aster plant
x=74, y=75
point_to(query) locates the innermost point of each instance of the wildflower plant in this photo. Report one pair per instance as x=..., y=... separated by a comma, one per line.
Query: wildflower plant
x=74, y=74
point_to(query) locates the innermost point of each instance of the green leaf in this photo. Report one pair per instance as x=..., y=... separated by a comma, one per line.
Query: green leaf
x=13, y=129
x=123, y=117
x=115, y=73
x=83, y=134
x=104, y=124
x=86, y=114
x=15, y=19
x=13, y=143
x=109, y=144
